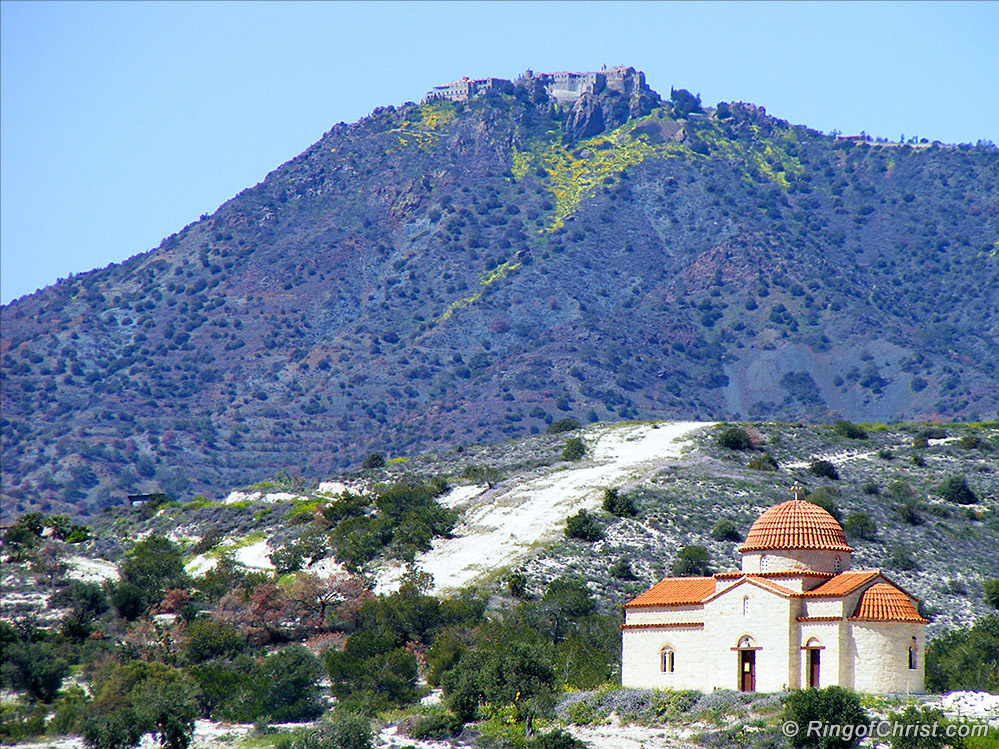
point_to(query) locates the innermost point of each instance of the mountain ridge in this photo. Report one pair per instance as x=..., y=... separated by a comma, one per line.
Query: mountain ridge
x=473, y=270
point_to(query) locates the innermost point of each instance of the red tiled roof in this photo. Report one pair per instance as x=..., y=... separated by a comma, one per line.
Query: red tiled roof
x=883, y=602
x=735, y=574
x=675, y=591
x=665, y=625
x=795, y=525
x=817, y=619
x=843, y=583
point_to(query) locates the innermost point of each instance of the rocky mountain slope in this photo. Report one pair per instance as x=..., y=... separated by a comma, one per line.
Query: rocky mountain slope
x=470, y=271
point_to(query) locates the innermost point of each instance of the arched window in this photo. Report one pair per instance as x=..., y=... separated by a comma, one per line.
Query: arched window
x=667, y=659
x=746, y=642
x=913, y=650
x=837, y=565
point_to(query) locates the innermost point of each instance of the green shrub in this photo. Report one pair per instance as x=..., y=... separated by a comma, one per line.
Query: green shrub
x=562, y=425
x=373, y=461
x=965, y=659
x=823, y=469
x=919, y=721
x=871, y=488
x=574, y=449
x=621, y=569
x=991, y=588
x=557, y=739
x=725, y=530
x=825, y=497
x=583, y=526
x=622, y=506
x=829, y=706
x=341, y=729
x=516, y=584
x=763, y=462
x=735, y=438
x=692, y=561
x=955, y=489
x=861, y=525
x=211, y=638
x=849, y=429
x=436, y=724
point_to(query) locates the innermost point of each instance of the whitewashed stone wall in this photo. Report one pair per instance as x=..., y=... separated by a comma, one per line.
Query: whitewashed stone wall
x=787, y=561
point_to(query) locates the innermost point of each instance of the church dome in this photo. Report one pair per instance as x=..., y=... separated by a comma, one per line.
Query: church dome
x=795, y=525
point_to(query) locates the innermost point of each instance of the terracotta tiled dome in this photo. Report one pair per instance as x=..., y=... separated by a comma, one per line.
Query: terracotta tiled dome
x=796, y=525
x=885, y=603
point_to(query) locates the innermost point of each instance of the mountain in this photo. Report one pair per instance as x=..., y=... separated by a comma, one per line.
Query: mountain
x=500, y=256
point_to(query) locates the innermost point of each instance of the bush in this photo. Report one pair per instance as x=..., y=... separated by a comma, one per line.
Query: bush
x=436, y=724
x=692, y=561
x=574, y=449
x=621, y=569
x=991, y=588
x=861, y=525
x=735, y=438
x=583, y=526
x=918, y=719
x=823, y=469
x=849, y=430
x=825, y=497
x=557, y=739
x=341, y=729
x=764, y=462
x=616, y=504
x=965, y=659
x=725, y=530
x=955, y=489
x=908, y=512
x=562, y=425
x=516, y=584
x=373, y=461
x=829, y=706
x=210, y=638
x=870, y=488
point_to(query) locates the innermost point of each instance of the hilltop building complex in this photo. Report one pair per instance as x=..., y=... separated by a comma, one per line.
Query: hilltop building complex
x=795, y=616
x=563, y=87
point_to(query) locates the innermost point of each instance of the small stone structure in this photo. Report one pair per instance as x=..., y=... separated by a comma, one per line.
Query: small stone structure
x=795, y=616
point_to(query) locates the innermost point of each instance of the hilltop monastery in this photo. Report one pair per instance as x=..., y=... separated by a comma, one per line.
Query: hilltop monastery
x=795, y=616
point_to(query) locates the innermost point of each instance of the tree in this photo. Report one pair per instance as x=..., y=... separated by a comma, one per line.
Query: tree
x=692, y=561
x=955, y=489
x=735, y=438
x=372, y=673
x=965, y=659
x=566, y=599
x=583, y=526
x=85, y=601
x=725, y=530
x=317, y=597
x=861, y=525
x=684, y=102
x=574, y=449
x=516, y=584
x=830, y=706
x=921, y=728
x=617, y=504
x=373, y=461
x=108, y=723
x=292, y=679
x=823, y=469
x=167, y=701
x=153, y=565
x=32, y=665
x=211, y=638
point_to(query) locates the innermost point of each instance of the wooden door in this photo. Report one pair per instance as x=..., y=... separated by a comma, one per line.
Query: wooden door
x=748, y=670
x=813, y=668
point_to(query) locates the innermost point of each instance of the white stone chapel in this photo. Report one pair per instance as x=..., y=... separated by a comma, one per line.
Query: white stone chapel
x=795, y=616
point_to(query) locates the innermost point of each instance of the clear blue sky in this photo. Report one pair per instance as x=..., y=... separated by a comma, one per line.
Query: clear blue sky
x=122, y=122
